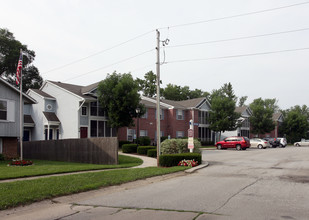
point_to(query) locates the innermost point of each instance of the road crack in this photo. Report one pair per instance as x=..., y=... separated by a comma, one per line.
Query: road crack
x=231, y=197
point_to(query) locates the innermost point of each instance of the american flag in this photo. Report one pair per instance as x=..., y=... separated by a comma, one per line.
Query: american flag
x=19, y=67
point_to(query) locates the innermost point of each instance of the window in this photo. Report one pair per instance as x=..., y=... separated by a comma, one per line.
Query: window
x=96, y=109
x=93, y=128
x=146, y=114
x=180, y=114
x=143, y=133
x=180, y=134
x=131, y=134
x=101, y=128
x=3, y=110
x=50, y=134
x=203, y=117
x=84, y=111
x=161, y=114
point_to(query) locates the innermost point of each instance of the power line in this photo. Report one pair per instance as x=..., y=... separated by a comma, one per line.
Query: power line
x=238, y=55
x=239, y=38
x=235, y=16
x=97, y=53
x=104, y=67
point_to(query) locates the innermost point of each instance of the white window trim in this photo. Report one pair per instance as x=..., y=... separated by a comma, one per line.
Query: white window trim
x=10, y=111
x=182, y=114
x=86, y=111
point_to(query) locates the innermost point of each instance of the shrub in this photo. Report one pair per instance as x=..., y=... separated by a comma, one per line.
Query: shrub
x=129, y=148
x=152, y=153
x=1, y=157
x=143, y=149
x=169, y=160
x=123, y=142
x=207, y=143
x=177, y=146
x=163, y=138
x=144, y=141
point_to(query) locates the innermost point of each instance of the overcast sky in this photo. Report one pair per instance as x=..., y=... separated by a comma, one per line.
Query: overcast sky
x=62, y=32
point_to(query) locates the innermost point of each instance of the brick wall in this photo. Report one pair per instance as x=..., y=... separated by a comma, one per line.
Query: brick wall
x=10, y=147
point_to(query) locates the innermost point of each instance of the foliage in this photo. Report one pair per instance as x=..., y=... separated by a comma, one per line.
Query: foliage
x=178, y=93
x=148, y=85
x=144, y=141
x=152, y=153
x=169, y=160
x=223, y=116
x=295, y=125
x=120, y=143
x=143, y=149
x=9, y=56
x=176, y=146
x=129, y=148
x=1, y=157
x=118, y=95
x=242, y=101
x=24, y=192
x=188, y=163
x=262, y=115
x=20, y=163
x=46, y=167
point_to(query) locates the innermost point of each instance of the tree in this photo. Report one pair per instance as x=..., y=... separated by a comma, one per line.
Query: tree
x=262, y=115
x=118, y=95
x=148, y=85
x=295, y=125
x=242, y=101
x=9, y=55
x=223, y=116
x=178, y=93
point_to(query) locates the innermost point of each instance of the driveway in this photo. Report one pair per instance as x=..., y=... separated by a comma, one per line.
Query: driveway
x=251, y=184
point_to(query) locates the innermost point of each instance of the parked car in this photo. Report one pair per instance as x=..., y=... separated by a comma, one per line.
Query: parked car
x=303, y=142
x=240, y=143
x=259, y=143
x=274, y=142
x=282, y=142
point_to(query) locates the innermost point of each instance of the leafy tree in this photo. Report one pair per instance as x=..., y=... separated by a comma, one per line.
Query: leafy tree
x=262, y=115
x=223, y=116
x=178, y=93
x=242, y=101
x=149, y=84
x=118, y=95
x=295, y=125
x=9, y=55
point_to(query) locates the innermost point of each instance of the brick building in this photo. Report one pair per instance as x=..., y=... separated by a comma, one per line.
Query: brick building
x=175, y=117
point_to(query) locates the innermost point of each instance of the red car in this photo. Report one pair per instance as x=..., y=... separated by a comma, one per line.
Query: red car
x=240, y=143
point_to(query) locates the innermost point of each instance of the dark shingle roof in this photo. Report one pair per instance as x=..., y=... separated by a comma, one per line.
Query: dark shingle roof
x=192, y=103
x=89, y=88
x=276, y=116
x=76, y=89
x=28, y=119
x=44, y=94
x=240, y=109
x=51, y=116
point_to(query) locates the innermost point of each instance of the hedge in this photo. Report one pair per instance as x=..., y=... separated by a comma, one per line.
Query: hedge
x=123, y=142
x=143, y=149
x=152, y=153
x=178, y=146
x=169, y=160
x=144, y=141
x=129, y=148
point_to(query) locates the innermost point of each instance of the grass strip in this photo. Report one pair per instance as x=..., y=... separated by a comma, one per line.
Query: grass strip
x=45, y=167
x=24, y=192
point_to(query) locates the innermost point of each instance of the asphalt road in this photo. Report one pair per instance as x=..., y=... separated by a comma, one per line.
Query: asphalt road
x=251, y=184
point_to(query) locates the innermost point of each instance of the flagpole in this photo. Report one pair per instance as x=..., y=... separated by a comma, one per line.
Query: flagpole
x=21, y=118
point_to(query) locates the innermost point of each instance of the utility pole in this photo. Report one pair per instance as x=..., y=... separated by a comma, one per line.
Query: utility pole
x=158, y=98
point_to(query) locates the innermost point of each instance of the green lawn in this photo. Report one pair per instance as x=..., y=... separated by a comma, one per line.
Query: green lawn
x=27, y=191
x=44, y=167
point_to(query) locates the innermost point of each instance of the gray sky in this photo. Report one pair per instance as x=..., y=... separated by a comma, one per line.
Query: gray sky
x=62, y=32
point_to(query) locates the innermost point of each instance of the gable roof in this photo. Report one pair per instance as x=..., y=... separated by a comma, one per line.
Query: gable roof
x=193, y=103
x=43, y=94
x=242, y=109
x=75, y=89
x=90, y=88
x=27, y=99
x=51, y=117
x=277, y=116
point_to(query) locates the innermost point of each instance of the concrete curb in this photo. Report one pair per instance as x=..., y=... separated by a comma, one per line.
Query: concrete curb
x=193, y=169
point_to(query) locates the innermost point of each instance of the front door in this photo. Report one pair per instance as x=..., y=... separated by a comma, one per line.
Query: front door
x=83, y=132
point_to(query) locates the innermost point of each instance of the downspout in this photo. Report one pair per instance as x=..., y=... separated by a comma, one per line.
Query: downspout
x=78, y=126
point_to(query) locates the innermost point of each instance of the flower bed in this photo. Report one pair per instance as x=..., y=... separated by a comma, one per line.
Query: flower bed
x=20, y=163
x=188, y=163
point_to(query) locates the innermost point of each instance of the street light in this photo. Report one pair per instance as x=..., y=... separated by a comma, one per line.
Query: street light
x=138, y=110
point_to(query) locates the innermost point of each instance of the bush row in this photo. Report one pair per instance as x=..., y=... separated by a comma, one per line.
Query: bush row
x=176, y=146
x=169, y=160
